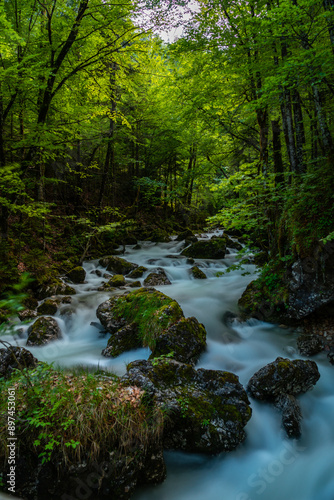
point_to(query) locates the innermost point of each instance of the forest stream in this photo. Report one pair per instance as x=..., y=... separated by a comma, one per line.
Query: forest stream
x=267, y=465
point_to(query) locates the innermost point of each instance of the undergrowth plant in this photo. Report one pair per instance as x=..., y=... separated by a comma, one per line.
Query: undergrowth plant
x=70, y=417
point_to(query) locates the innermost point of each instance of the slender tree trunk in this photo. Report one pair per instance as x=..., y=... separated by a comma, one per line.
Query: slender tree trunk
x=277, y=153
x=329, y=7
x=300, y=133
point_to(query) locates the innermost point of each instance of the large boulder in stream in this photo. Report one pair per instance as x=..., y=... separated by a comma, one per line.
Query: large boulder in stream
x=117, y=265
x=149, y=318
x=207, y=410
x=279, y=382
x=211, y=249
x=43, y=331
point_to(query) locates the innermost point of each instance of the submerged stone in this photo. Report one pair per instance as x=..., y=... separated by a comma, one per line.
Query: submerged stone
x=198, y=273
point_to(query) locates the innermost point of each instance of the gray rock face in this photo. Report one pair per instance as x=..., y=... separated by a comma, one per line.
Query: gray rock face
x=279, y=382
x=207, y=409
x=15, y=357
x=157, y=278
x=43, y=331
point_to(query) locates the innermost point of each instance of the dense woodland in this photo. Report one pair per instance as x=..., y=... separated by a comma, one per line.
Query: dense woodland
x=105, y=128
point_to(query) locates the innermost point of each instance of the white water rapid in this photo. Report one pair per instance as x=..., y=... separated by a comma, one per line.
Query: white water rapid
x=268, y=465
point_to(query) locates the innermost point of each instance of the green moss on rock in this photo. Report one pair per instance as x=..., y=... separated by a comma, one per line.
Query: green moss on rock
x=48, y=307
x=198, y=273
x=77, y=275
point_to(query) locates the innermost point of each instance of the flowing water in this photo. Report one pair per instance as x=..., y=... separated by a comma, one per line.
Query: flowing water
x=267, y=466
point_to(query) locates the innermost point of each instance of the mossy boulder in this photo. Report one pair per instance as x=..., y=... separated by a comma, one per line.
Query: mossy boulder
x=117, y=265
x=138, y=272
x=206, y=249
x=13, y=358
x=151, y=310
x=186, y=339
x=117, y=280
x=149, y=318
x=77, y=275
x=157, y=278
x=207, y=409
x=49, y=307
x=197, y=273
x=43, y=331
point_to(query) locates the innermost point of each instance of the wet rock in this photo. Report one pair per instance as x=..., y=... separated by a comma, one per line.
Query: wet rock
x=307, y=287
x=184, y=235
x=134, y=284
x=77, y=275
x=291, y=414
x=27, y=315
x=308, y=345
x=66, y=300
x=137, y=273
x=198, y=273
x=207, y=409
x=157, y=278
x=279, y=382
x=124, y=339
x=15, y=357
x=283, y=376
x=117, y=265
x=43, y=331
x=54, y=288
x=212, y=249
x=186, y=339
x=233, y=243
x=116, y=281
x=48, y=307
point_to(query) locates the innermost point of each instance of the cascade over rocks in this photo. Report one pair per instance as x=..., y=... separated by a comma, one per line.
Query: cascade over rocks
x=278, y=382
x=207, y=409
x=43, y=331
x=211, y=249
x=149, y=318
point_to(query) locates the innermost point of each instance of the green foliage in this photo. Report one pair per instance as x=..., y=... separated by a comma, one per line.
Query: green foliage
x=69, y=416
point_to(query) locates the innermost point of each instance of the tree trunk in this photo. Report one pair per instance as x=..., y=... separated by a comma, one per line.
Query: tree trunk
x=300, y=133
x=277, y=153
